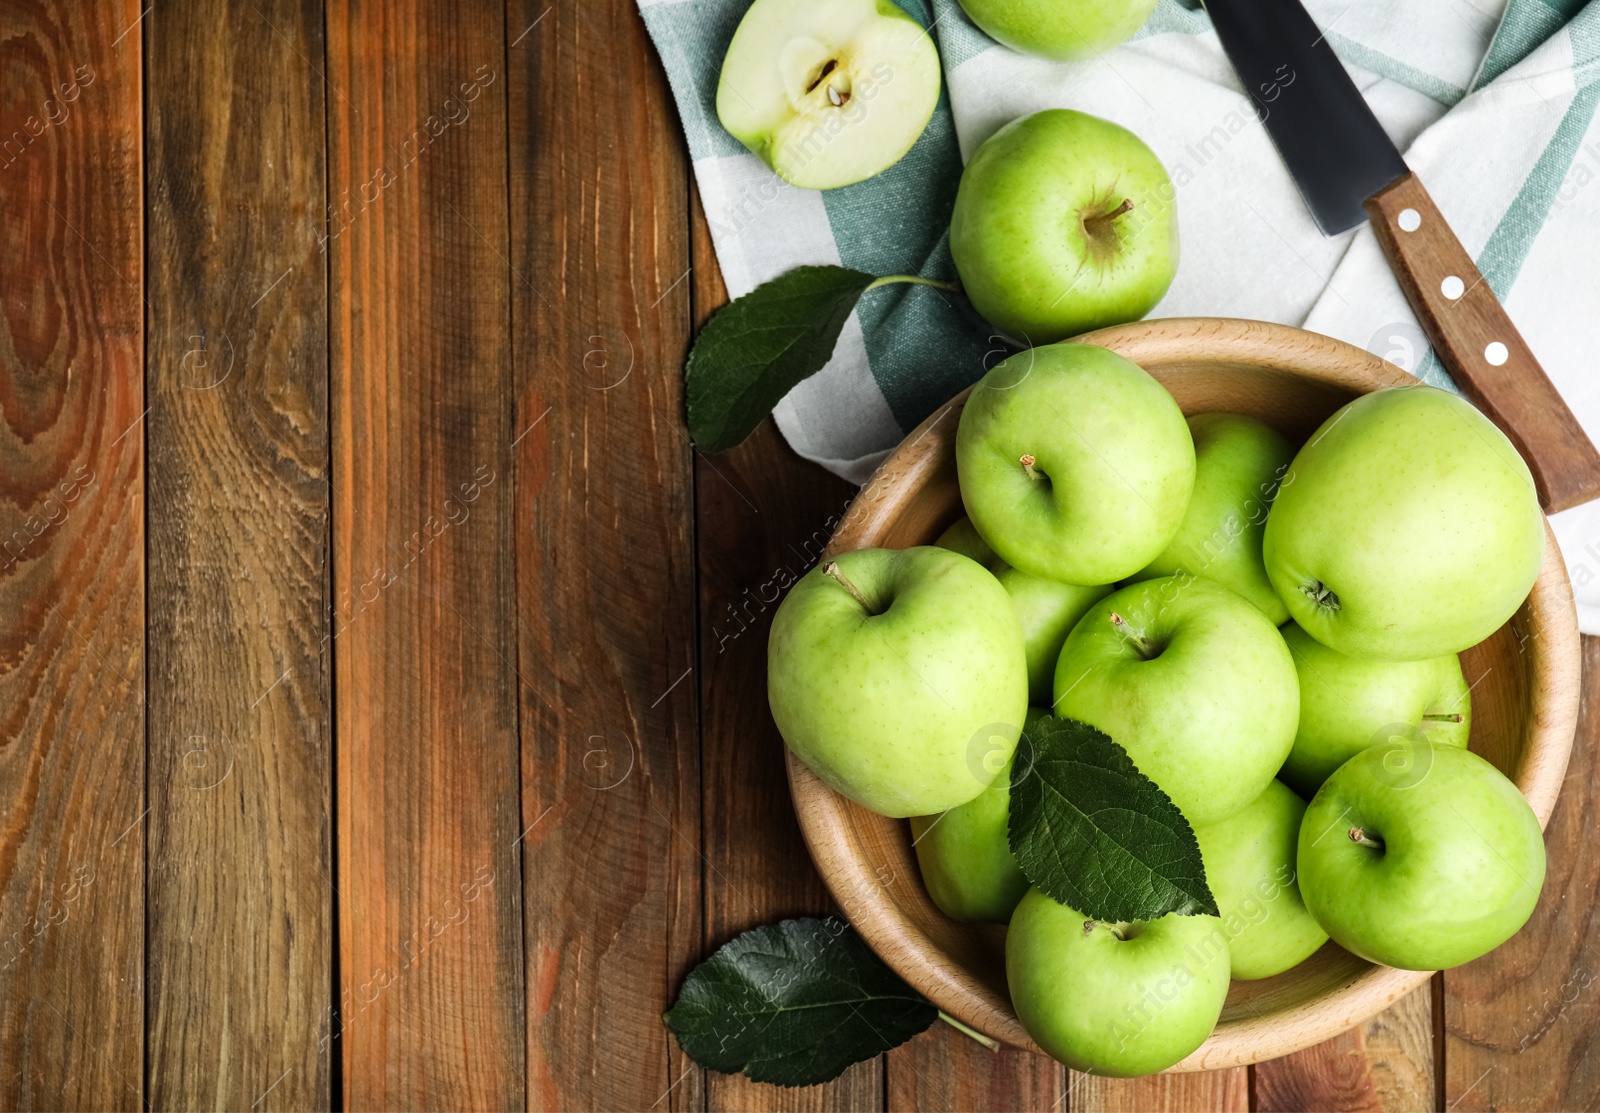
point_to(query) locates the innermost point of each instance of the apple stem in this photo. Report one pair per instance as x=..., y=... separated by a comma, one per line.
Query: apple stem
x=988, y=1041
x=1027, y=461
x=1361, y=838
x=832, y=569
x=1456, y=718
x=1142, y=643
x=918, y=280
x=1090, y=925
x=1107, y=218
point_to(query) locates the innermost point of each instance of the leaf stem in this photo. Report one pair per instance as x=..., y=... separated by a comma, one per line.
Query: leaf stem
x=1442, y=718
x=891, y=279
x=987, y=1041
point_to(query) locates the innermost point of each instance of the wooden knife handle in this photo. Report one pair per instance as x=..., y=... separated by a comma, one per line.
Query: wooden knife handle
x=1480, y=347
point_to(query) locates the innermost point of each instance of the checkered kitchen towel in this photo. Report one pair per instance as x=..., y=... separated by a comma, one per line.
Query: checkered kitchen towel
x=1493, y=103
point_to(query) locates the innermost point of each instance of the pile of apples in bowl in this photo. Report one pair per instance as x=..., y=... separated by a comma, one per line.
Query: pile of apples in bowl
x=1314, y=602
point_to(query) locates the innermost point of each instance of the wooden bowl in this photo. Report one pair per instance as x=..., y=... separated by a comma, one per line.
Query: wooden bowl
x=1525, y=687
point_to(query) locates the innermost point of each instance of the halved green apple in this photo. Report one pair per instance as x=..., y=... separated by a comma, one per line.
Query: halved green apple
x=828, y=92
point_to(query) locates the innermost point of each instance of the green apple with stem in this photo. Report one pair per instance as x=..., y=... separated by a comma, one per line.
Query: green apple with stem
x=1063, y=223
x=828, y=92
x=1193, y=681
x=1239, y=463
x=898, y=677
x=1123, y=999
x=1047, y=609
x=1408, y=528
x=1059, y=29
x=1250, y=866
x=1075, y=465
x=1350, y=703
x=964, y=854
x=1420, y=856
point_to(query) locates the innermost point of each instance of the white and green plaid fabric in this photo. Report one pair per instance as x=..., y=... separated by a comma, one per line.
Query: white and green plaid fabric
x=1493, y=103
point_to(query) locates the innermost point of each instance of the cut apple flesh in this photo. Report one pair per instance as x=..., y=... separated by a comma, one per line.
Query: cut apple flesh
x=828, y=92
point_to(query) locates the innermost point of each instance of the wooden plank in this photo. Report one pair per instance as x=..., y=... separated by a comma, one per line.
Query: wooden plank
x=239, y=914
x=71, y=558
x=1222, y=1091
x=430, y=925
x=1522, y=1024
x=605, y=509
x=1382, y=1065
x=943, y=1069
x=764, y=516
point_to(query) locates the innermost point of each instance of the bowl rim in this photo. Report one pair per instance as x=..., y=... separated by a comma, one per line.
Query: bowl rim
x=1553, y=696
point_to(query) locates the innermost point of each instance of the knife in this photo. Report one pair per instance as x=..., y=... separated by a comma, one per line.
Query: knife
x=1347, y=170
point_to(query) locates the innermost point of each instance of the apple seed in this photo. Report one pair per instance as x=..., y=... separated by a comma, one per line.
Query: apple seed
x=822, y=75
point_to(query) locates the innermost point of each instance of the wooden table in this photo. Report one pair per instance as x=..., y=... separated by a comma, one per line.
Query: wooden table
x=382, y=717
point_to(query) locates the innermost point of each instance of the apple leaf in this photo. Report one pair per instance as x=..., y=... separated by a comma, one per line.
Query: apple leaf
x=1098, y=835
x=794, y=1003
x=756, y=348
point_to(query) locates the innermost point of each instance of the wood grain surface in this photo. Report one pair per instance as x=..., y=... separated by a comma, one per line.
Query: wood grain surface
x=763, y=517
x=239, y=906
x=429, y=863
x=944, y=1069
x=72, y=558
x=408, y=744
x=605, y=532
x=1385, y=1065
x=1222, y=1091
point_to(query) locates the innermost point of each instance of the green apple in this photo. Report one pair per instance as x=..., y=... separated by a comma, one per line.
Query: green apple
x=964, y=854
x=1194, y=682
x=898, y=677
x=1420, y=856
x=1063, y=223
x=1047, y=609
x=1408, y=528
x=1115, y=999
x=1350, y=703
x=1239, y=463
x=1075, y=465
x=1250, y=865
x=1060, y=29
x=828, y=92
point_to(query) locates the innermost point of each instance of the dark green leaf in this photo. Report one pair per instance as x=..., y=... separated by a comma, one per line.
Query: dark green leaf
x=795, y=1003
x=1098, y=835
x=758, y=347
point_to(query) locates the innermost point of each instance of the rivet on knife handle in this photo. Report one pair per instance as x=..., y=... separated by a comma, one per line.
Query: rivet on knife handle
x=1480, y=347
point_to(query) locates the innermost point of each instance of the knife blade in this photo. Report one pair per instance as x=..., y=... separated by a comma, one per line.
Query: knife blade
x=1347, y=168
x=1337, y=152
